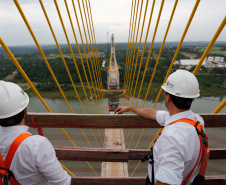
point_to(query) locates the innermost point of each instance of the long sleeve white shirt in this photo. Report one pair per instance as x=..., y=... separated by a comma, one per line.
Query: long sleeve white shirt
x=177, y=149
x=35, y=161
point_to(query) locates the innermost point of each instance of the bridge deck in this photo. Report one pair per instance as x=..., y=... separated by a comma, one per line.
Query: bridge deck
x=114, y=139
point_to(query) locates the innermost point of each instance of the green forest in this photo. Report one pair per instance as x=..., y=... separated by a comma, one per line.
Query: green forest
x=211, y=80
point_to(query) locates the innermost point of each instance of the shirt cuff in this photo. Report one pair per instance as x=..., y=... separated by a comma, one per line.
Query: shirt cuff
x=168, y=177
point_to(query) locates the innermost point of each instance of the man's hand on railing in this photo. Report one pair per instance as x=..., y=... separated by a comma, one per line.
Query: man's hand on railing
x=120, y=110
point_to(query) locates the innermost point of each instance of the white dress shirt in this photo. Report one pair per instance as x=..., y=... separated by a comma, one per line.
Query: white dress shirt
x=34, y=162
x=177, y=149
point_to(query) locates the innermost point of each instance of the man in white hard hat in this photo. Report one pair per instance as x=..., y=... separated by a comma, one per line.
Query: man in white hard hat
x=176, y=151
x=34, y=161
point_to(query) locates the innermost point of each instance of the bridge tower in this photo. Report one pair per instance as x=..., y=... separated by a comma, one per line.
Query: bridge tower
x=113, y=73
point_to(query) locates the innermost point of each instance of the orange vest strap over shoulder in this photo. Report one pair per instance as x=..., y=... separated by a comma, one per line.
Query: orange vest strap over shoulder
x=203, y=146
x=12, y=150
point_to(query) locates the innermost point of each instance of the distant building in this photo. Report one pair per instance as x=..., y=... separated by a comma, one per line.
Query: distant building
x=103, y=63
x=212, y=62
x=209, y=62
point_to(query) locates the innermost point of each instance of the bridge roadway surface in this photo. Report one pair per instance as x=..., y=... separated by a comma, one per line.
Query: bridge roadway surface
x=114, y=138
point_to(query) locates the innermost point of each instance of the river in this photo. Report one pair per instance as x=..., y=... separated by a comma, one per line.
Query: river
x=203, y=104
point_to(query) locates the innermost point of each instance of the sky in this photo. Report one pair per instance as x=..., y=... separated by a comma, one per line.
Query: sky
x=110, y=17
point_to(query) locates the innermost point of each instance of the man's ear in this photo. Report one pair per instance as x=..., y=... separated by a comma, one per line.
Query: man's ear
x=25, y=112
x=168, y=99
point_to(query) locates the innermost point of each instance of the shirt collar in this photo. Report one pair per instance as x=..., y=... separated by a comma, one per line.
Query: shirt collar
x=12, y=129
x=186, y=114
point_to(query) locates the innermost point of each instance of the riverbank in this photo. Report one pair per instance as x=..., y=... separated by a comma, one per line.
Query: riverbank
x=153, y=92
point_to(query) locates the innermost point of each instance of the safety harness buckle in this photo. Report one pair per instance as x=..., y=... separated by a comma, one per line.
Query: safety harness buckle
x=203, y=135
x=7, y=176
x=148, y=156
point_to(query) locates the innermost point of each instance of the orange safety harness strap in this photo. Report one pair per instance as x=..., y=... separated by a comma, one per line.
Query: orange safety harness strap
x=199, y=129
x=12, y=150
x=203, y=154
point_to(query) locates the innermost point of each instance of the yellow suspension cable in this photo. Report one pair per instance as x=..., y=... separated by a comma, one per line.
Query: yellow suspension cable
x=134, y=52
x=131, y=54
x=140, y=138
x=75, y=63
x=115, y=63
x=150, y=51
x=128, y=62
x=74, y=60
x=91, y=55
x=92, y=36
x=127, y=135
x=100, y=137
x=69, y=16
x=61, y=54
x=41, y=52
x=79, y=54
x=139, y=45
x=178, y=48
x=148, y=148
x=133, y=11
x=92, y=63
x=23, y=73
x=43, y=8
x=85, y=50
x=221, y=106
x=110, y=65
x=221, y=27
x=92, y=49
x=125, y=76
x=202, y=58
x=96, y=82
x=149, y=23
x=89, y=52
x=68, y=170
x=96, y=51
x=174, y=58
x=131, y=138
x=125, y=131
x=160, y=52
x=30, y=83
x=102, y=131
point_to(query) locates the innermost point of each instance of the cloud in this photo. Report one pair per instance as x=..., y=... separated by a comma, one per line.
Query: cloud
x=111, y=16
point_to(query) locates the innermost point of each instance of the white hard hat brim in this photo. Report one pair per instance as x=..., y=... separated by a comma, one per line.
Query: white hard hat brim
x=13, y=99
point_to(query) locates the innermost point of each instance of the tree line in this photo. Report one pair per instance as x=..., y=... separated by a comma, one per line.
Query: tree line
x=35, y=68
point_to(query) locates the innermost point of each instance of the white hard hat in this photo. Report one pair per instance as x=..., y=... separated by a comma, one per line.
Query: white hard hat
x=12, y=99
x=183, y=84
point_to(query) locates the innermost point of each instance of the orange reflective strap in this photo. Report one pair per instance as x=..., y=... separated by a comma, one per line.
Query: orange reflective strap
x=189, y=121
x=190, y=174
x=16, y=143
x=2, y=172
x=204, y=161
x=205, y=153
x=12, y=150
x=2, y=165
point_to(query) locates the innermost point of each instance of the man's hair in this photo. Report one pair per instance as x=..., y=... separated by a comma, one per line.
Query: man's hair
x=13, y=120
x=181, y=103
